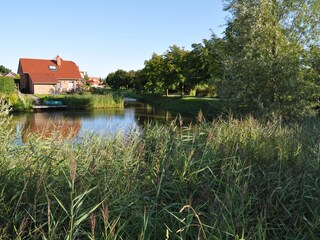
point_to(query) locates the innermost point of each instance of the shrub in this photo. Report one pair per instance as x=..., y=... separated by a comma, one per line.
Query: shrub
x=205, y=90
x=7, y=85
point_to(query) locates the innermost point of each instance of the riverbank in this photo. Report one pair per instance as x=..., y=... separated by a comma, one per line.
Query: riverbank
x=225, y=179
x=210, y=107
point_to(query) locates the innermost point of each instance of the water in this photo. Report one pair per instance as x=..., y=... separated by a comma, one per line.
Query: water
x=77, y=123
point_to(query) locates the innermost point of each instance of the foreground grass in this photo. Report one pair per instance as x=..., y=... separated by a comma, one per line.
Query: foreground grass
x=230, y=179
x=87, y=101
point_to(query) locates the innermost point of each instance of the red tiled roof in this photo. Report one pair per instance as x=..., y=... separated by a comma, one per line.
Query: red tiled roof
x=39, y=72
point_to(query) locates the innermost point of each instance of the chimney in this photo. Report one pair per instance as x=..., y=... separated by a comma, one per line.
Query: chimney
x=58, y=60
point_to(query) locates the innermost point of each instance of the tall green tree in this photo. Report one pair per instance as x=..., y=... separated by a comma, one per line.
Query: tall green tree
x=175, y=60
x=264, y=60
x=153, y=74
x=119, y=79
x=196, y=69
x=4, y=70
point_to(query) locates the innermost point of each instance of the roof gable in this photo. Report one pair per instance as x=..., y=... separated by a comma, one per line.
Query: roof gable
x=48, y=71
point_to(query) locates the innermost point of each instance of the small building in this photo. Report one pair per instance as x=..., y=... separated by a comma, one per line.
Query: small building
x=11, y=74
x=94, y=81
x=42, y=76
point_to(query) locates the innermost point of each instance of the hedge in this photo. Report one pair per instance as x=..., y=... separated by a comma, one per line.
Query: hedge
x=7, y=85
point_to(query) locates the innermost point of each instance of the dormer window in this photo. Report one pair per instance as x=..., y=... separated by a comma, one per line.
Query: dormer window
x=53, y=68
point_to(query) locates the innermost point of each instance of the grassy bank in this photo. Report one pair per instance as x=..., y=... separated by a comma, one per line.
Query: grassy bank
x=230, y=179
x=189, y=105
x=90, y=101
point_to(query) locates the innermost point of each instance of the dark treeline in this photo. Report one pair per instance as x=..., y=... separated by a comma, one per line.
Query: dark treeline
x=268, y=61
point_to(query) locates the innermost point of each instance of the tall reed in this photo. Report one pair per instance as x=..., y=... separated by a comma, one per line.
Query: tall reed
x=227, y=179
x=89, y=101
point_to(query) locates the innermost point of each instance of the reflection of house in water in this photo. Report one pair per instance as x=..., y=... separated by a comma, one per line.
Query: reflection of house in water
x=51, y=125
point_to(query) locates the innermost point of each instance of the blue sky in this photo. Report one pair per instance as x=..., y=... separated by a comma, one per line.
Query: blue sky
x=102, y=36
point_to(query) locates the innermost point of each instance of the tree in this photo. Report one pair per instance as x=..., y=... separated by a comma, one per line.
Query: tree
x=86, y=77
x=4, y=70
x=196, y=69
x=153, y=74
x=117, y=79
x=264, y=56
x=175, y=69
x=122, y=79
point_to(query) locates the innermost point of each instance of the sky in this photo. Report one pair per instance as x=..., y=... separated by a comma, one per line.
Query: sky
x=102, y=36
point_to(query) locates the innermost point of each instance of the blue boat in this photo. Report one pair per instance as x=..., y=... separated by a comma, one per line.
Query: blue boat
x=53, y=103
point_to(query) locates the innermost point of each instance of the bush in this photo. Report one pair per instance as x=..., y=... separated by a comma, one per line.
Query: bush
x=100, y=91
x=205, y=90
x=7, y=85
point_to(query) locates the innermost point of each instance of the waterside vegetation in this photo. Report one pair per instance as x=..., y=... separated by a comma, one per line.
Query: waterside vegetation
x=11, y=95
x=227, y=179
x=210, y=107
x=87, y=101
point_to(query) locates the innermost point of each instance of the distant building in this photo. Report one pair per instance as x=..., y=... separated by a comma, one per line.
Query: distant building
x=11, y=74
x=42, y=76
x=94, y=81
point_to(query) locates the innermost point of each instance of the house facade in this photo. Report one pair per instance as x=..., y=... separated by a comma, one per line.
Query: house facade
x=42, y=76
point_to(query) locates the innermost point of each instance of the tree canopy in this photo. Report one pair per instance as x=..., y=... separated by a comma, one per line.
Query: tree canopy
x=4, y=70
x=266, y=66
x=267, y=62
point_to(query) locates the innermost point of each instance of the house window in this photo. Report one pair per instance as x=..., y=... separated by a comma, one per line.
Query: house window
x=53, y=68
x=71, y=85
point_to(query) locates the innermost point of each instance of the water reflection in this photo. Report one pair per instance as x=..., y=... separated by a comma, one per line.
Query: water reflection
x=76, y=123
x=45, y=124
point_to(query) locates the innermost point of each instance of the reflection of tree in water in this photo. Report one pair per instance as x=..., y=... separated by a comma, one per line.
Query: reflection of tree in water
x=145, y=113
x=46, y=125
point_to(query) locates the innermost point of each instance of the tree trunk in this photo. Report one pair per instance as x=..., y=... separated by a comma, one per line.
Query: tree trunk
x=182, y=90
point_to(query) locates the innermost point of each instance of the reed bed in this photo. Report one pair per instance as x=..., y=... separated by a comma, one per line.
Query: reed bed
x=88, y=101
x=227, y=179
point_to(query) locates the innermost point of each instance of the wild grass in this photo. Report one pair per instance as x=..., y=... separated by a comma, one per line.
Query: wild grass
x=227, y=179
x=88, y=101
